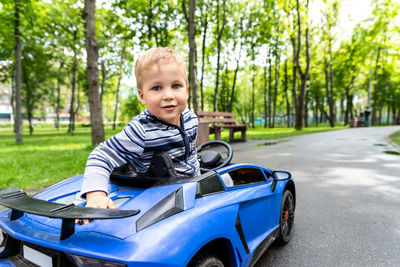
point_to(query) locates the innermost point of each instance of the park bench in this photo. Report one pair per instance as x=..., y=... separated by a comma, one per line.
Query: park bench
x=215, y=123
x=356, y=122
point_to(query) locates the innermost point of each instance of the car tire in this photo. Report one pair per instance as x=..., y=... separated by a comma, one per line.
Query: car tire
x=206, y=259
x=286, y=217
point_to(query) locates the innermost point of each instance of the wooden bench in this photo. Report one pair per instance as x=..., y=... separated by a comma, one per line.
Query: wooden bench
x=215, y=123
x=356, y=122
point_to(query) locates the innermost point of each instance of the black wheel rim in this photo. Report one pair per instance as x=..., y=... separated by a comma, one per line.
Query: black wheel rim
x=287, y=216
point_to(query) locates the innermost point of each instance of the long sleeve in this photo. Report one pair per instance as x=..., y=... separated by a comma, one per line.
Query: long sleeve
x=126, y=146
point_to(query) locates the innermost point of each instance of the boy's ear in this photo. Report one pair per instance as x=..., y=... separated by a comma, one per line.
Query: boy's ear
x=140, y=92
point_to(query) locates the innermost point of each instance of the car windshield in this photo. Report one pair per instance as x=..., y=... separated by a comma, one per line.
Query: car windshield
x=242, y=176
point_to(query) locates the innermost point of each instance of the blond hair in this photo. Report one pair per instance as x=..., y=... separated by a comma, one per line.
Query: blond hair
x=157, y=55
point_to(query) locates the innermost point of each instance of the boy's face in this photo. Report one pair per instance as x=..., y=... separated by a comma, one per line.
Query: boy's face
x=164, y=91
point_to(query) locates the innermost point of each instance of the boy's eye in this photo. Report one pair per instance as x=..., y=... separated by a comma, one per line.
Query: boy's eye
x=156, y=88
x=176, y=86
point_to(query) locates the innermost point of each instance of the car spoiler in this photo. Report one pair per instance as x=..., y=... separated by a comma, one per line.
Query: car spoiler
x=19, y=203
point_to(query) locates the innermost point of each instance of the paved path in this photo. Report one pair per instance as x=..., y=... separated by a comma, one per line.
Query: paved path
x=348, y=197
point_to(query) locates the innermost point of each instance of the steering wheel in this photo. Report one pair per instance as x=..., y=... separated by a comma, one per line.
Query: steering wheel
x=211, y=160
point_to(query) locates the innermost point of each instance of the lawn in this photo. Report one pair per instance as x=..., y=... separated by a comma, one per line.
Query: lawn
x=395, y=138
x=44, y=158
x=49, y=156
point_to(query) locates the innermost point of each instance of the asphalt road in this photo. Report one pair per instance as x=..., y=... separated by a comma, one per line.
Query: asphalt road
x=348, y=197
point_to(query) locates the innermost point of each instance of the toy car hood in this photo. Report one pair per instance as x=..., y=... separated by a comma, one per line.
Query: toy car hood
x=137, y=208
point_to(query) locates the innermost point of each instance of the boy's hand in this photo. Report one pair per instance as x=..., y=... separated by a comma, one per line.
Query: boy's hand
x=98, y=199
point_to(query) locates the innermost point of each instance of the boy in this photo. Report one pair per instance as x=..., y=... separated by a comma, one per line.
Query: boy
x=166, y=125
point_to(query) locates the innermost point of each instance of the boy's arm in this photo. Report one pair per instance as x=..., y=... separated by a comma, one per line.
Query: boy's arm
x=123, y=147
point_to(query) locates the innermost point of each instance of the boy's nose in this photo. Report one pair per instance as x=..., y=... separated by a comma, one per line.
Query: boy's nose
x=168, y=93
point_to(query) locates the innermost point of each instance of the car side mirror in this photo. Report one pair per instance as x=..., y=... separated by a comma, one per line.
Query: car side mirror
x=281, y=175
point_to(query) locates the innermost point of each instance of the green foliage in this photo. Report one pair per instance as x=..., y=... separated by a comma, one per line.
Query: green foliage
x=131, y=107
x=257, y=34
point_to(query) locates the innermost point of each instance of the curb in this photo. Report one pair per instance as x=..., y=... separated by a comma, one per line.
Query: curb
x=392, y=143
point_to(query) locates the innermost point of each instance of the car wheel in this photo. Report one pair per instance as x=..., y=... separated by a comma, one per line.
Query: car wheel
x=206, y=259
x=286, y=220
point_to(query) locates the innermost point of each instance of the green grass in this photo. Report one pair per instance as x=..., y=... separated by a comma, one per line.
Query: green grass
x=49, y=156
x=395, y=138
x=44, y=158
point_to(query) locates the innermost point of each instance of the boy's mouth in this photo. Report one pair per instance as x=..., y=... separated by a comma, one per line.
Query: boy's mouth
x=169, y=107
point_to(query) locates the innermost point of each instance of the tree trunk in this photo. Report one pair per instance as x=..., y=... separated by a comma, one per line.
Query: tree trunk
x=329, y=96
x=103, y=80
x=341, y=113
x=13, y=118
x=121, y=70
x=349, y=101
x=306, y=109
x=58, y=104
x=203, y=51
x=253, y=84
x=303, y=74
x=269, y=90
x=394, y=122
x=374, y=97
x=219, y=37
x=265, y=97
x=71, y=127
x=348, y=108
x=332, y=100
x=232, y=96
x=192, y=54
x=287, y=95
x=150, y=20
x=29, y=113
x=382, y=102
x=78, y=102
x=316, y=110
x=18, y=117
x=388, y=114
x=277, y=63
x=29, y=98
x=294, y=74
x=92, y=73
x=58, y=97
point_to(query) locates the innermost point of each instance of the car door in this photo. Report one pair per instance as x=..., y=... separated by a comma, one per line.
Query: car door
x=256, y=202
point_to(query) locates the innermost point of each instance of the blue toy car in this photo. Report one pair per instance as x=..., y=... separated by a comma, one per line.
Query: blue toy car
x=227, y=216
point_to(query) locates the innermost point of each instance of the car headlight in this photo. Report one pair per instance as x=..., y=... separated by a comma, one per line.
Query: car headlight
x=82, y=261
x=8, y=245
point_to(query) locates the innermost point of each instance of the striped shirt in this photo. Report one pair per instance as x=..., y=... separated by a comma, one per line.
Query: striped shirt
x=137, y=143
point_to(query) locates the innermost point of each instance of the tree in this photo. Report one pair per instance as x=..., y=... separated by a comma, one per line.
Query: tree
x=330, y=15
x=92, y=73
x=34, y=77
x=17, y=35
x=192, y=50
x=304, y=74
x=383, y=14
x=204, y=22
x=238, y=41
x=219, y=32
